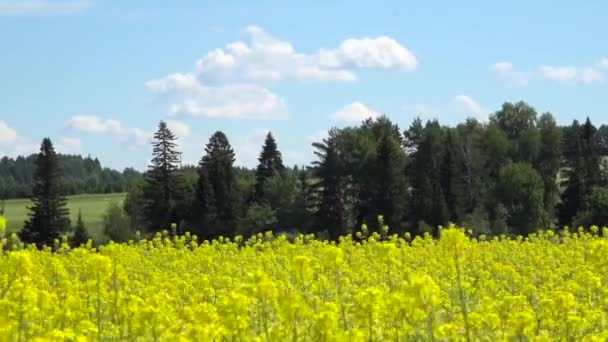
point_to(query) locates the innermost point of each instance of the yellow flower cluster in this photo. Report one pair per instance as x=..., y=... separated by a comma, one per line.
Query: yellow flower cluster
x=545, y=287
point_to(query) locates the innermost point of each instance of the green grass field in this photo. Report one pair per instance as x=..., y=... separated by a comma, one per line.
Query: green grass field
x=91, y=206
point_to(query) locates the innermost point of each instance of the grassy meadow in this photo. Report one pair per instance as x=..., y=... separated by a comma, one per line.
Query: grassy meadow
x=91, y=206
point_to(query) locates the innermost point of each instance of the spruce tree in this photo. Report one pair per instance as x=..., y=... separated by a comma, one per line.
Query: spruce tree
x=330, y=214
x=81, y=236
x=270, y=165
x=217, y=196
x=583, y=172
x=452, y=178
x=49, y=215
x=392, y=186
x=163, y=183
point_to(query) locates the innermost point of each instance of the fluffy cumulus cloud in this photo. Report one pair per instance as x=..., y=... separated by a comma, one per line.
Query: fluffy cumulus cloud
x=507, y=73
x=353, y=113
x=12, y=143
x=232, y=82
x=566, y=74
x=8, y=135
x=186, y=95
x=603, y=63
x=94, y=124
x=466, y=105
x=42, y=7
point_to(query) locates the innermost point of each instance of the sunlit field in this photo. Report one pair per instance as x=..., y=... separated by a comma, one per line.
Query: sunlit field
x=546, y=287
x=92, y=207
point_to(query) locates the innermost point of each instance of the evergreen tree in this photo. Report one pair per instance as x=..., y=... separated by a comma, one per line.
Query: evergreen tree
x=452, y=178
x=270, y=165
x=429, y=205
x=81, y=236
x=203, y=213
x=330, y=214
x=392, y=186
x=49, y=216
x=163, y=184
x=217, y=198
x=582, y=173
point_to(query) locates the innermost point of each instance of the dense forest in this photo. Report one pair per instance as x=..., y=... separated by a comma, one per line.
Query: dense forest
x=79, y=176
x=514, y=174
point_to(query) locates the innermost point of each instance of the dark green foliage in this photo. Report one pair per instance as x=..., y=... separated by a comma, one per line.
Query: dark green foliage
x=116, y=224
x=391, y=196
x=163, y=190
x=80, y=236
x=582, y=169
x=429, y=204
x=270, y=165
x=601, y=140
x=331, y=207
x=258, y=218
x=215, y=210
x=134, y=204
x=80, y=175
x=521, y=190
x=596, y=209
x=49, y=215
x=549, y=162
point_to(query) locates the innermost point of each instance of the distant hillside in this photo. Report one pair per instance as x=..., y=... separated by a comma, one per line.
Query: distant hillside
x=80, y=175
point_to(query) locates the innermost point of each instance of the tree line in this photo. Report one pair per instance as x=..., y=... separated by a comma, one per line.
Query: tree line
x=514, y=174
x=80, y=175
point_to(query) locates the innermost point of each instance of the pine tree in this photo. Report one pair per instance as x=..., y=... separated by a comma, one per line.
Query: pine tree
x=270, y=165
x=81, y=236
x=217, y=196
x=163, y=183
x=49, y=216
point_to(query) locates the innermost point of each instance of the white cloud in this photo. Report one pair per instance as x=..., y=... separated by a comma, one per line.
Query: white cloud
x=590, y=75
x=507, y=73
x=570, y=74
x=567, y=74
x=69, y=145
x=355, y=112
x=226, y=82
x=238, y=101
x=369, y=53
x=8, y=135
x=466, y=105
x=42, y=7
x=93, y=124
x=180, y=129
x=13, y=144
x=558, y=73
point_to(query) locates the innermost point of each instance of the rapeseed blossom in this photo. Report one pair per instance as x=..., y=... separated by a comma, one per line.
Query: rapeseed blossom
x=369, y=287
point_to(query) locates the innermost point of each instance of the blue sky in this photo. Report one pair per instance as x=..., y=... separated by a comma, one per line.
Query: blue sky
x=97, y=75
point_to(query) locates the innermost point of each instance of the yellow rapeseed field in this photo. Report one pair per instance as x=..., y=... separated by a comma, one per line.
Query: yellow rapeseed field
x=547, y=287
